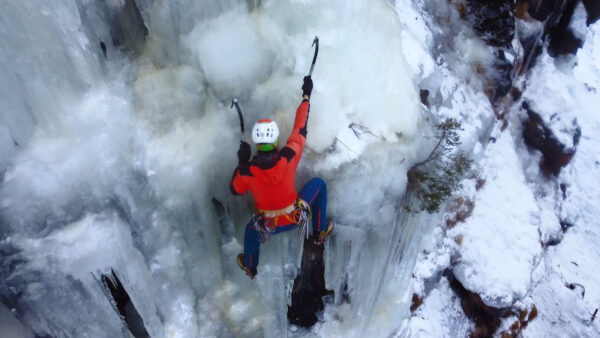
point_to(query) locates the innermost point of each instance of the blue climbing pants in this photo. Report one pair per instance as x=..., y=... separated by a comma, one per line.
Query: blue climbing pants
x=315, y=194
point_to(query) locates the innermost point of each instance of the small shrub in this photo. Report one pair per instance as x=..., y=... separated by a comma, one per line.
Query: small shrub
x=459, y=210
x=434, y=179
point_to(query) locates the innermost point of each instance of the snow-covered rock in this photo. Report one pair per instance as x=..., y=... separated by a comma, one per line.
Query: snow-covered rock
x=500, y=246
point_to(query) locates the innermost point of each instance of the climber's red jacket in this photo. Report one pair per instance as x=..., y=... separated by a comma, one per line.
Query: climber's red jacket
x=270, y=175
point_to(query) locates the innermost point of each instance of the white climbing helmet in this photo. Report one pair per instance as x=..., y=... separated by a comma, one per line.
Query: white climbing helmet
x=265, y=131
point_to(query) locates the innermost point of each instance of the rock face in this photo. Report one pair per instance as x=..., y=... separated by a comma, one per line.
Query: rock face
x=556, y=16
x=593, y=10
x=562, y=38
x=503, y=75
x=538, y=136
x=531, y=39
x=543, y=9
x=494, y=20
x=486, y=318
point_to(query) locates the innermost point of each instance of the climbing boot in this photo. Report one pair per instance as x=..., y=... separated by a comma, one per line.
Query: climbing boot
x=250, y=272
x=325, y=233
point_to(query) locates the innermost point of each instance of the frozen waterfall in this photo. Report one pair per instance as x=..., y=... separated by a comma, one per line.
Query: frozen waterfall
x=116, y=134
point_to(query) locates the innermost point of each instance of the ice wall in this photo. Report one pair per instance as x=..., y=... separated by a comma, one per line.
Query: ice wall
x=114, y=161
x=39, y=77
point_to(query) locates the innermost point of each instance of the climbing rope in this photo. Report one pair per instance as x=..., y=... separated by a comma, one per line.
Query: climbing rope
x=283, y=286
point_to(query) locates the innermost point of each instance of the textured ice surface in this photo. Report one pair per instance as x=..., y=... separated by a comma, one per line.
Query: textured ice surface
x=119, y=157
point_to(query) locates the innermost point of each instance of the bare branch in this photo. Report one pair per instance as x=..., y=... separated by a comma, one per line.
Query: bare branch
x=359, y=130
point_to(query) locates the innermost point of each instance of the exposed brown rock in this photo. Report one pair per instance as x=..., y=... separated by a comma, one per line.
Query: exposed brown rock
x=416, y=302
x=538, y=136
x=486, y=318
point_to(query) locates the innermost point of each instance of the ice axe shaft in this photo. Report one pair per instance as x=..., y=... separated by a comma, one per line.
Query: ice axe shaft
x=235, y=103
x=316, y=44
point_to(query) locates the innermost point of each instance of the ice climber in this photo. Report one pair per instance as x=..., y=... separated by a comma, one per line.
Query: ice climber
x=270, y=178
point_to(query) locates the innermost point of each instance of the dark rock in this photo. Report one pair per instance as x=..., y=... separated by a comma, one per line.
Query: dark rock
x=515, y=93
x=533, y=46
x=562, y=39
x=556, y=15
x=593, y=10
x=544, y=9
x=309, y=287
x=530, y=36
x=493, y=20
x=563, y=189
x=502, y=75
x=424, y=94
x=565, y=225
x=416, y=302
x=538, y=136
x=552, y=242
x=486, y=318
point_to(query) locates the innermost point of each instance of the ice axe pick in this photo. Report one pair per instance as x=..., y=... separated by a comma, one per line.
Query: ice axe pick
x=235, y=103
x=316, y=44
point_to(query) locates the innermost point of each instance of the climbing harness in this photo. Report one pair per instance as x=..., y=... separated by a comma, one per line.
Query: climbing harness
x=267, y=221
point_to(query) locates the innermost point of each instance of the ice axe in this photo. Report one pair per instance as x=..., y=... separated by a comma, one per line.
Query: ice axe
x=316, y=44
x=235, y=103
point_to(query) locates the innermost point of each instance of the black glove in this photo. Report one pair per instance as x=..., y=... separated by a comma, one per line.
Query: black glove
x=307, y=86
x=244, y=152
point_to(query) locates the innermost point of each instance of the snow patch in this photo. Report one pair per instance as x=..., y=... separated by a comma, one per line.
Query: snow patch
x=440, y=315
x=554, y=101
x=500, y=246
x=578, y=22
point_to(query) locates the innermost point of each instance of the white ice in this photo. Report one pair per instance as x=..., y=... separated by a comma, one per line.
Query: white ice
x=112, y=163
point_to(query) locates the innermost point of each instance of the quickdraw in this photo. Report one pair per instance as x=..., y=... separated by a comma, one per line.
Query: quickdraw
x=263, y=226
x=303, y=217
